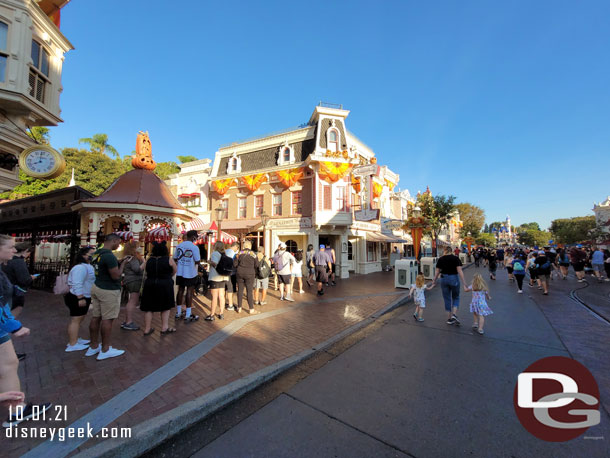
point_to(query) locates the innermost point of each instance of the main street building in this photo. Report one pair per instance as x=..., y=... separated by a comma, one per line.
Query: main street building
x=314, y=184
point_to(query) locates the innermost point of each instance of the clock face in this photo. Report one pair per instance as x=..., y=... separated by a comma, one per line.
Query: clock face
x=41, y=161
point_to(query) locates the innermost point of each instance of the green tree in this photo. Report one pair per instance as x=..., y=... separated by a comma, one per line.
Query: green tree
x=184, y=159
x=39, y=134
x=165, y=169
x=532, y=237
x=534, y=226
x=486, y=239
x=438, y=210
x=495, y=225
x=473, y=218
x=99, y=144
x=572, y=230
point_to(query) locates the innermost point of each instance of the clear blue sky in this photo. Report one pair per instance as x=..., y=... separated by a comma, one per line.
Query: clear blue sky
x=503, y=104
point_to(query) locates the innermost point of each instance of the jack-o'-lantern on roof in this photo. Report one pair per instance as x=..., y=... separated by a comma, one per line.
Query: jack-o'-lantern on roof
x=138, y=201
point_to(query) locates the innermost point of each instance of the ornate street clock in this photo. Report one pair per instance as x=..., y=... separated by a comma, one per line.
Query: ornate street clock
x=42, y=162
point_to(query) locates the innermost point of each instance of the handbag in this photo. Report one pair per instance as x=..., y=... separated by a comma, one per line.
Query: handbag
x=61, y=284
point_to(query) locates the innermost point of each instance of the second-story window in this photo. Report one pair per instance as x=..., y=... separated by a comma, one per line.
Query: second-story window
x=286, y=155
x=342, y=204
x=297, y=208
x=277, y=205
x=333, y=140
x=225, y=205
x=258, y=205
x=3, y=50
x=39, y=72
x=327, y=203
x=242, y=207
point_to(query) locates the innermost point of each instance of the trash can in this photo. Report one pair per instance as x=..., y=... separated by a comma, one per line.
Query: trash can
x=428, y=267
x=405, y=272
x=464, y=258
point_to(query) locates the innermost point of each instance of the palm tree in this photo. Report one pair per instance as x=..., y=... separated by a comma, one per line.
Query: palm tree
x=99, y=144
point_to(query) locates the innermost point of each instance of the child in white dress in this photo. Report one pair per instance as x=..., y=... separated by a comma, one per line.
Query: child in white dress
x=419, y=296
x=478, y=305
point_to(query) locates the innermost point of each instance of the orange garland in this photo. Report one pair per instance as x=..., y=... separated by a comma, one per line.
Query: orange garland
x=289, y=177
x=332, y=172
x=356, y=184
x=389, y=184
x=222, y=186
x=253, y=182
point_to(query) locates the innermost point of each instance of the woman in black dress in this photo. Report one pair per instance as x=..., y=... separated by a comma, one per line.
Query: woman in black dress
x=158, y=293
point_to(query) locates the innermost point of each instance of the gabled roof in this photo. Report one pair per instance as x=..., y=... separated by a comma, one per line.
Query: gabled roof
x=139, y=186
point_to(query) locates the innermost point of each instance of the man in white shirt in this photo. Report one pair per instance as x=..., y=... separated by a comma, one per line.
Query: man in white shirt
x=187, y=260
x=284, y=262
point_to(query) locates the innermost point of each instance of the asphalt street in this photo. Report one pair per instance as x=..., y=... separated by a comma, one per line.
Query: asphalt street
x=418, y=389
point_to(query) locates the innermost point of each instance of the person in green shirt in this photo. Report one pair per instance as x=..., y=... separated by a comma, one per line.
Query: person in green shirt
x=105, y=297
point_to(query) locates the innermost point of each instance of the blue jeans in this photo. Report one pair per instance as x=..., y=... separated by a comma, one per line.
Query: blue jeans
x=450, y=286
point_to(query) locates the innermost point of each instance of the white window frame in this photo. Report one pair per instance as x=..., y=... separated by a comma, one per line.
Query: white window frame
x=258, y=213
x=36, y=76
x=240, y=214
x=282, y=150
x=224, y=203
x=234, y=164
x=274, y=203
x=338, y=142
x=292, y=203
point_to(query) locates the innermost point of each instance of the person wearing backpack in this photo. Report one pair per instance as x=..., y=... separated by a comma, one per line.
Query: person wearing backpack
x=262, y=277
x=543, y=271
x=564, y=263
x=246, y=266
x=518, y=267
x=218, y=279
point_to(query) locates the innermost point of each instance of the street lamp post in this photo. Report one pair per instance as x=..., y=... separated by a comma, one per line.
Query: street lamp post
x=416, y=224
x=264, y=219
x=220, y=213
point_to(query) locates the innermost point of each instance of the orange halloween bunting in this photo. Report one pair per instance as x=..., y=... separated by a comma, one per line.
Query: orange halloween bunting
x=253, y=182
x=332, y=172
x=377, y=189
x=289, y=177
x=356, y=183
x=389, y=184
x=222, y=186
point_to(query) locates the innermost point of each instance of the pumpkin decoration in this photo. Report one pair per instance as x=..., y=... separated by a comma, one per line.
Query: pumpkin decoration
x=253, y=182
x=222, y=186
x=332, y=172
x=356, y=184
x=143, y=158
x=377, y=189
x=373, y=160
x=289, y=177
x=345, y=154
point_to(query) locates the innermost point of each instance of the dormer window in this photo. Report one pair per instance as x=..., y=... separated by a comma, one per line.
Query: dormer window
x=234, y=164
x=285, y=154
x=333, y=139
x=39, y=71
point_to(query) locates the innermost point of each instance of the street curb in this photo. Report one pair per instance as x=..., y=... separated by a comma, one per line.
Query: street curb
x=153, y=432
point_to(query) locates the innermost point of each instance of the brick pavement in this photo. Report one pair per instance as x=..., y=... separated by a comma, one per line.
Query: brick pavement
x=82, y=384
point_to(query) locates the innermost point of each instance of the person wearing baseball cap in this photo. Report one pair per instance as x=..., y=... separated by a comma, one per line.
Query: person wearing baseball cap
x=284, y=263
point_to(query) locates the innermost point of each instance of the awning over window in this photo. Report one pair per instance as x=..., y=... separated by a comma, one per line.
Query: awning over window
x=379, y=237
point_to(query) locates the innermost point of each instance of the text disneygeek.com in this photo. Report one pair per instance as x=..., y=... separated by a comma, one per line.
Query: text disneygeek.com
x=61, y=434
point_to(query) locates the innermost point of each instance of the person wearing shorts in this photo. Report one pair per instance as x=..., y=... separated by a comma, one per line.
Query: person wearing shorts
x=218, y=283
x=187, y=258
x=323, y=264
x=578, y=259
x=261, y=283
x=231, y=285
x=284, y=265
x=105, y=298
x=78, y=299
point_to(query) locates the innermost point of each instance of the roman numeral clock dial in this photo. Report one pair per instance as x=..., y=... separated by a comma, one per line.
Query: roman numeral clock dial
x=42, y=162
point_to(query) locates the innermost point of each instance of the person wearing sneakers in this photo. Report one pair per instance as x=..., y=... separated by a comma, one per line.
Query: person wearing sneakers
x=311, y=268
x=297, y=272
x=323, y=264
x=543, y=271
x=78, y=299
x=597, y=261
x=9, y=364
x=449, y=268
x=231, y=286
x=246, y=265
x=578, y=258
x=518, y=266
x=105, y=298
x=284, y=264
x=262, y=277
x=218, y=282
x=186, y=257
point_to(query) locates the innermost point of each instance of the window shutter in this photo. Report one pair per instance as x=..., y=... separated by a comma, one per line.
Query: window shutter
x=327, y=198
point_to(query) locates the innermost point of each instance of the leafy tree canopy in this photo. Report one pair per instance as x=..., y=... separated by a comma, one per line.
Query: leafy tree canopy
x=99, y=144
x=534, y=226
x=165, y=169
x=184, y=159
x=486, y=239
x=572, y=230
x=473, y=218
x=495, y=225
x=532, y=237
x=40, y=134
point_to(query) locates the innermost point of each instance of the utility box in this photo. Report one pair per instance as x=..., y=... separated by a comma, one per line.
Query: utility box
x=405, y=272
x=464, y=258
x=428, y=267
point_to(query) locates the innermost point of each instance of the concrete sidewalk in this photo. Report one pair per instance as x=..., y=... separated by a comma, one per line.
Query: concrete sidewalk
x=159, y=374
x=427, y=389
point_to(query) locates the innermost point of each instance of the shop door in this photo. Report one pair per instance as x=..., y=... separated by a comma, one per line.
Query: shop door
x=351, y=263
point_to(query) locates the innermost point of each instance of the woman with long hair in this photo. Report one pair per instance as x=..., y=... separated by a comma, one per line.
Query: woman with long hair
x=297, y=271
x=78, y=299
x=218, y=283
x=158, y=292
x=9, y=380
x=132, y=282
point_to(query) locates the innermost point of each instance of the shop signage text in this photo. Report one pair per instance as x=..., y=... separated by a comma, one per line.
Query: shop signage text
x=366, y=215
x=302, y=223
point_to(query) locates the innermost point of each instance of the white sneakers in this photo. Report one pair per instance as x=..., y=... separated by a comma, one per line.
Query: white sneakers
x=301, y=292
x=289, y=298
x=93, y=351
x=111, y=353
x=520, y=292
x=76, y=347
x=83, y=341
